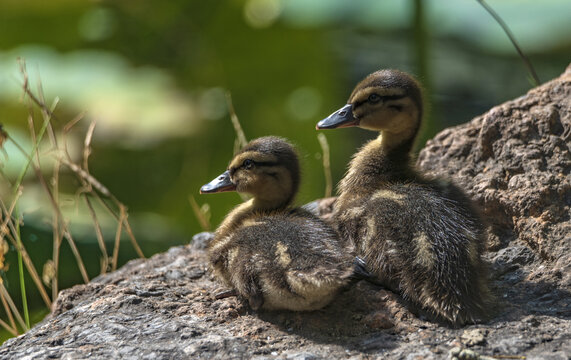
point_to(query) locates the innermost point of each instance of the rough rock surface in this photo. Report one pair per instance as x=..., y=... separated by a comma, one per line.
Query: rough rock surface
x=514, y=160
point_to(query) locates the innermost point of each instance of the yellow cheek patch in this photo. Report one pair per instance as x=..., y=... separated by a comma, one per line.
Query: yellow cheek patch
x=282, y=255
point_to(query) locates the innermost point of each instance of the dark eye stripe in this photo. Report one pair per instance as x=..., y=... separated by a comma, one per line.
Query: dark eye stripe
x=256, y=163
x=265, y=163
x=392, y=97
x=383, y=99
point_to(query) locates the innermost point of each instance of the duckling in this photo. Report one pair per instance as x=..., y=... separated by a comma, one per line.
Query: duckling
x=274, y=255
x=419, y=236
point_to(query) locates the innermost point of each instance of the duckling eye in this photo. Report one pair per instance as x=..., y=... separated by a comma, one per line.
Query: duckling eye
x=374, y=98
x=248, y=164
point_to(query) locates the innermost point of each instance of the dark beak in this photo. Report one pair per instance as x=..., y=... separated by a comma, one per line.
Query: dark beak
x=220, y=184
x=340, y=118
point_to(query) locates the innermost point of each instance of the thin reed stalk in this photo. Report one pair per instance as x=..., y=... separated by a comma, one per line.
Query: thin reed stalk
x=506, y=29
x=99, y=234
x=13, y=307
x=13, y=236
x=8, y=328
x=200, y=216
x=17, y=188
x=116, y=247
x=12, y=217
x=326, y=164
x=124, y=216
x=47, y=115
x=241, y=140
x=92, y=213
x=57, y=237
x=83, y=174
x=21, y=274
x=240, y=135
x=12, y=328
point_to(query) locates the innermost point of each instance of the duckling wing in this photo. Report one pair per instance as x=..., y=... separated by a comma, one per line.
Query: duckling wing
x=423, y=240
x=293, y=260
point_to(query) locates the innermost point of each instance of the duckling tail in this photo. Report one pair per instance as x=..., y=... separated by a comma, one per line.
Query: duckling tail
x=360, y=271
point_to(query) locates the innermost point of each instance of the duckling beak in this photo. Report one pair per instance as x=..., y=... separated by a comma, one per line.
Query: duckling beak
x=341, y=118
x=220, y=184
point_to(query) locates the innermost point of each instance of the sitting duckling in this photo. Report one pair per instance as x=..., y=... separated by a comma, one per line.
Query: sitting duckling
x=421, y=237
x=273, y=255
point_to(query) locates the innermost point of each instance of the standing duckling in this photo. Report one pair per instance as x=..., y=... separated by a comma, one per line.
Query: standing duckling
x=273, y=255
x=421, y=237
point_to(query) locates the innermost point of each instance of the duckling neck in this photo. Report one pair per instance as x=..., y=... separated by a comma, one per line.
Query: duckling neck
x=379, y=162
x=234, y=218
x=246, y=209
x=264, y=205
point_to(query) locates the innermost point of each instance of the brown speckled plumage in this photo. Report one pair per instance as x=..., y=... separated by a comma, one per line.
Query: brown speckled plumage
x=420, y=236
x=273, y=255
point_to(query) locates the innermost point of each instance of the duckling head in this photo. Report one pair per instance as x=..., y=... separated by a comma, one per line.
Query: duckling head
x=267, y=168
x=388, y=101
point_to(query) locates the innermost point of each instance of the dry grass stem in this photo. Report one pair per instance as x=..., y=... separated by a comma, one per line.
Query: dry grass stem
x=237, y=127
x=241, y=140
x=88, y=178
x=12, y=326
x=99, y=234
x=87, y=145
x=75, y=251
x=12, y=235
x=9, y=230
x=57, y=237
x=130, y=231
x=10, y=329
x=8, y=221
x=67, y=127
x=117, y=243
x=12, y=218
x=29, y=93
x=326, y=164
x=237, y=146
x=34, y=274
x=122, y=220
x=506, y=29
x=9, y=224
x=200, y=215
x=13, y=306
x=56, y=208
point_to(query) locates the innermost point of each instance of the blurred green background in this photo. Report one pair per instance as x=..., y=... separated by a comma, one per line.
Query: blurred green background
x=154, y=75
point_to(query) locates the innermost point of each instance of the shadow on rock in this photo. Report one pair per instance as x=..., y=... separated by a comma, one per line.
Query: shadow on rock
x=364, y=317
